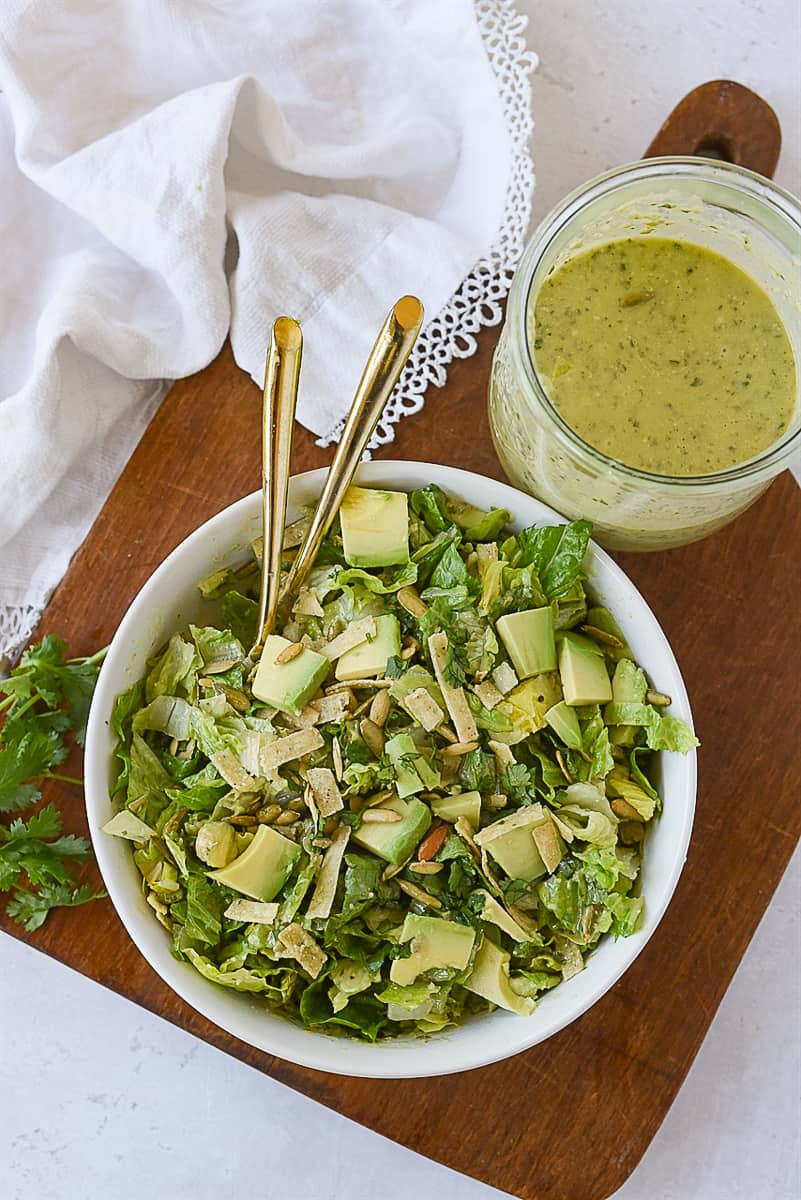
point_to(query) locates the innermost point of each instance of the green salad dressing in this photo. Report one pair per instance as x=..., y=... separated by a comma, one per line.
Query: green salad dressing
x=664, y=355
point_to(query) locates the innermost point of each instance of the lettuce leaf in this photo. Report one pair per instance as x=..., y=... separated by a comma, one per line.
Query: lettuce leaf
x=390, y=580
x=661, y=732
x=557, y=552
x=241, y=616
x=175, y=670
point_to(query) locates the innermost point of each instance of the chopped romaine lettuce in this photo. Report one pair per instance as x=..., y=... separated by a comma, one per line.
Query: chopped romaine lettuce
x=210, y=776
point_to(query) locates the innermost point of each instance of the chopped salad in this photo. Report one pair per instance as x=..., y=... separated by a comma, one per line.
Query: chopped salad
x=430, y=795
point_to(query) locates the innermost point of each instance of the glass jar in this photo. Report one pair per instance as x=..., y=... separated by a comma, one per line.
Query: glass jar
x=724, y=208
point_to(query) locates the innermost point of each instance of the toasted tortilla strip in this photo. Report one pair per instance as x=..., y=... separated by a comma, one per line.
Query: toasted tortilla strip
x=356, y=633
x=424, y=708
x=257, y=912
x=307, y=604
x=287, y=749
x=487, y=693
x=233, y=772
x=328, y=875
x=333, y=707
x=326, y=791
x=565, y=830
x=503, y=754
x=298, y=944
x=547, y=842
x=455, y=699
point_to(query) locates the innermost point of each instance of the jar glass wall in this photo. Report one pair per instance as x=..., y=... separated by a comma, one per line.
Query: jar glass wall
x=726, y=209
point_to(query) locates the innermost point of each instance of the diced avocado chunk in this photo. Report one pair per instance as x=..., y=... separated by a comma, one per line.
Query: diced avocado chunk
x=395, y=841
x=435, y=943
x=262, y=870
x=529, y=641
x=564, y=722
x=490, y=979
x=126, y=824
x=465, y=804
x=375, y=527
x=288, y=686
x=582, y=669
x=510, y=842
x=412, y=772
x=629, y=684
x=370, y=657
x=496, y=914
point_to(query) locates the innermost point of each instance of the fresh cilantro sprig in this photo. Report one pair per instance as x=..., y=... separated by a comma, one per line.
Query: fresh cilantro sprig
x=47, y=696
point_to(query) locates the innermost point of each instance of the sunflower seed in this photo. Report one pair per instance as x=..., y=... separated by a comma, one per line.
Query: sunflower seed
x=268, y=815
x=379, y=708
x=658, y=698
x=289, y=652
x=600, y=635
x=373, y=736
x=426, y=868
x=378, y=816
x=243, y=821
x=378, y=798
x=238, y=700
x=358, y=683
x=287, y=818
x=393, y=869
x=563, y=768
x=219, y=666
x=336, y=753
x=458, y=749
x=409, y=599
x=418, y=894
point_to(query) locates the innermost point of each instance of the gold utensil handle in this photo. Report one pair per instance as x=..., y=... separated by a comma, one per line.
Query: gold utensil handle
x=382, y=369
x=280, y=396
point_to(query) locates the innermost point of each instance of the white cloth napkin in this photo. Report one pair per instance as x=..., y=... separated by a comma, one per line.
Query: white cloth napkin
x=170, y=170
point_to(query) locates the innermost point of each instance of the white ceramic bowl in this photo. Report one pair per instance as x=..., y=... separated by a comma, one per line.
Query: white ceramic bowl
x=169, y=600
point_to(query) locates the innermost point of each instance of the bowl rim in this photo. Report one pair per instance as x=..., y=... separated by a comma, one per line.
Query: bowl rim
x=325, y=1052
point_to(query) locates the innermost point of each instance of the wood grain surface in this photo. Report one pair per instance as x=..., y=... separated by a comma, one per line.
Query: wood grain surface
x=569, y=1119
x=725, y=120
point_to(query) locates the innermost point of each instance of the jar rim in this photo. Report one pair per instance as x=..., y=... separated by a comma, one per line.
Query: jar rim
x=672, y=168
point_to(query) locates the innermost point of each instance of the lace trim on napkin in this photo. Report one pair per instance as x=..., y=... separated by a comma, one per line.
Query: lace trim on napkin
x=17, y=623
x=479, y=299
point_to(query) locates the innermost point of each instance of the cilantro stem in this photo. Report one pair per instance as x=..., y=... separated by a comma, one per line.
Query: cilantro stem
x=63, y=778
x=89, y=662
x=4, y=704
x=29, y=703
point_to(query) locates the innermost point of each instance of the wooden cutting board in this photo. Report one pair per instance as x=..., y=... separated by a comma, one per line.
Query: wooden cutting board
x=569, y=1119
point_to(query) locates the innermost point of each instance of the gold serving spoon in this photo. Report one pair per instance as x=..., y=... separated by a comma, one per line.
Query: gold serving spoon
x=281, y=375
x=381, y=372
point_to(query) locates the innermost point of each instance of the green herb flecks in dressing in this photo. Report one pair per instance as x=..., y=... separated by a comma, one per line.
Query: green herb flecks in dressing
x=663, y=355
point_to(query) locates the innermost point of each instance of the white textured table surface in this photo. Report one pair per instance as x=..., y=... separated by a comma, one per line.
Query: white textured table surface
x=101, y=1099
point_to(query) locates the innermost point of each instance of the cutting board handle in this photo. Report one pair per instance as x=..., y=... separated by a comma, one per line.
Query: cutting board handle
x=722, y=119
